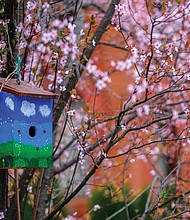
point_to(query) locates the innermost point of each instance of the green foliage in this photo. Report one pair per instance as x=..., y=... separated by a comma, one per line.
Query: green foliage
x=109, y=206
x=26, y=209
x=13, y=154
x=54, y=197
x=1, y=9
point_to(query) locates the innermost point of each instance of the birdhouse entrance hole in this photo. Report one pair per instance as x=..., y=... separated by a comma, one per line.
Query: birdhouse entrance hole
x=32, y=131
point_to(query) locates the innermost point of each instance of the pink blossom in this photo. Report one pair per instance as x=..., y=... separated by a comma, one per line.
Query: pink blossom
x=132, y=160
x=100, y=84
x=59, y=78
x=31, y=5
x=91, y=68
x=58, y=24
x=121, y=9
x=19, y=27
x=36, y=28
x=146, y=109
x=28, y=19
x=2, y=65
x=96, y=207
x=113, y=63
x=29, y=189
x=139, y=111
x=82, y=32
x=62, y=88
x=104, y=154
x=47, y=37
x=123, y=65
x=141, y=88
x=50, y=77
x=41, y=48
x=2, y=45
x=45, y=6
x=137, y=80
x=93, y=43
x=130, y=176
x=130, y=87
x=123, y=127
x=71, y=112
x=2, y=216
x=71, y=27
x=62, y=61
x=175, y=115
x=152, y=172
x=106, y=78
x=81, y=158
x=73, y=96
x=51, y=86
x=187, y=76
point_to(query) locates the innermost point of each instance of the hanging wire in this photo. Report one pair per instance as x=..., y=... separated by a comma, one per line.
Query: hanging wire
x=8, y=78
x=18, y=69
x=18, y=57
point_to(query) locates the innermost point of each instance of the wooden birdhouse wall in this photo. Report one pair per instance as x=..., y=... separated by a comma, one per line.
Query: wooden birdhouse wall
x=26, y=131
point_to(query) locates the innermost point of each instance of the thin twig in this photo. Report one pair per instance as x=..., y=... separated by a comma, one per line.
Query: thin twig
x=36, y=201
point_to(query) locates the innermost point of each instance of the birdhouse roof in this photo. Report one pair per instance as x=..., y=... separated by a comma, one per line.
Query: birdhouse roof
x=24, y=89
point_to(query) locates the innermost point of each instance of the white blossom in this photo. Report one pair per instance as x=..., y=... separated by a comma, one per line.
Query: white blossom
x=82, y=32
x=152, y=172
x=96, y=207
x=2, y=216
x=175, y=115
x=100, y=84
x=29, y=189
x=93, y=43
x=62, y=88
x=71, y=112
x=146, y=109
x=139, y=111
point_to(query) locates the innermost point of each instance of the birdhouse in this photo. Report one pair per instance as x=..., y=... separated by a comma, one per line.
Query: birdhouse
x=25, y=125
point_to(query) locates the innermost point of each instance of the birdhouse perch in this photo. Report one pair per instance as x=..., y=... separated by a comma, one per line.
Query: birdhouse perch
x=25, y=125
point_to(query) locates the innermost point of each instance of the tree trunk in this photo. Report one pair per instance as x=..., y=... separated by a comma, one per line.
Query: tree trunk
x=3, y=189
x=9, y=16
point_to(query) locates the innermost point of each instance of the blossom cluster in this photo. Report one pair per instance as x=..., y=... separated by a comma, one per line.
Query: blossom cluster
x=120, y=10
x=101, y=77
x=122, y=65
x=2, y=65
x=49, y=41
x=2, y=52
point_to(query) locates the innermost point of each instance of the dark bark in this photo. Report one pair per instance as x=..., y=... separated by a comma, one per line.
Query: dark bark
x=9, y=15
x=3, y=189
x=43, y=194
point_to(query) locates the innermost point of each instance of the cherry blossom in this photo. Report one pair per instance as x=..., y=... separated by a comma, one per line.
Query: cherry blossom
x=2, y=65
x=2, y=216
x=71, y=112
x=96, y=207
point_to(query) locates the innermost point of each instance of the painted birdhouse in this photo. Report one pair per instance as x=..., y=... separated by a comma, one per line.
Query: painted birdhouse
x=25, y=125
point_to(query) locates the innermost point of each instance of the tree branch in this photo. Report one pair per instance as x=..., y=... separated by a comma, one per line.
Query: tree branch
x=64, y=97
